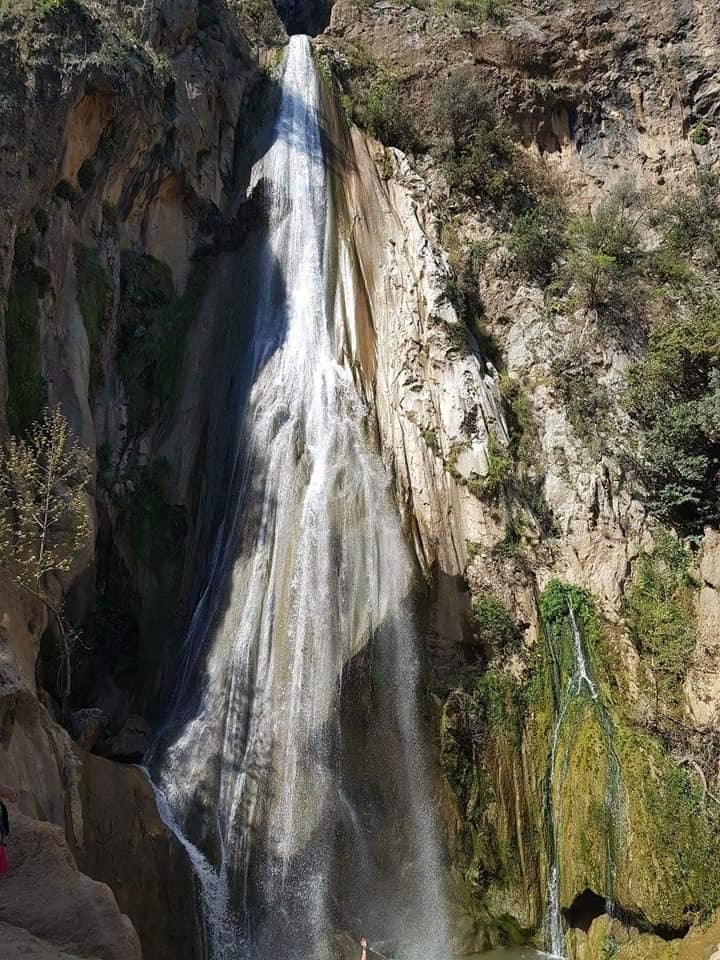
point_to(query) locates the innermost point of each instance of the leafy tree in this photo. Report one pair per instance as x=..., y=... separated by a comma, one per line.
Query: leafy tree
x=675, y=392
x=45, y=518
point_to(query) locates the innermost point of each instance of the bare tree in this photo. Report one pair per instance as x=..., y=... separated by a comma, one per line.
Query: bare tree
x=45, y=520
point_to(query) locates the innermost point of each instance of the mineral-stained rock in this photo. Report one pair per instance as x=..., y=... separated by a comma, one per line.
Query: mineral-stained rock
x=87, y=726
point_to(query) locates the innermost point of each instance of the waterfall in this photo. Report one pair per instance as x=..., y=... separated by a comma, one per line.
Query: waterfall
x=293, y=757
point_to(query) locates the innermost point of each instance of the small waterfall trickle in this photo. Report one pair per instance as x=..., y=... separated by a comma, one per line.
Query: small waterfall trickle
x=294, y=759
x=573, y=688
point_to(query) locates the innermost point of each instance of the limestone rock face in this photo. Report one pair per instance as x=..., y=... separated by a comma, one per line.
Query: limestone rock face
x=45, y=894
x=435, y=401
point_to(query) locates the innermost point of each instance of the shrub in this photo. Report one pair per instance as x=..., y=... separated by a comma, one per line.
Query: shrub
x=86, y=174
x=477, y=150
x=675, y=392
x=584, y=398
x=660, y=615
x=604, y=249
x=463, y=293
x=459, y=105
x=499, y=468
x=66, y=191
x=690, y=222
x=493, y=624
x=42, y=220
x=700, y=134
x=538, y=238
x=383, y=112
x=470, y=12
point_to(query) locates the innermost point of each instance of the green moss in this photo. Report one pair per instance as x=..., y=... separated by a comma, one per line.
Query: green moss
x=673, y=836
x=153, y=322
x=93, y=293
x=26, y=389
x=661, y=616
x=555, y=603
x=155, y=527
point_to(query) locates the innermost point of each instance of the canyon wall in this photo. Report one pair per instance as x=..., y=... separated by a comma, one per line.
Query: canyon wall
x=126, y=152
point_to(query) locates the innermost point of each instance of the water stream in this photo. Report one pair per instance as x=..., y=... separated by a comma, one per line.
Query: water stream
x=573, y=688
x=293, y=764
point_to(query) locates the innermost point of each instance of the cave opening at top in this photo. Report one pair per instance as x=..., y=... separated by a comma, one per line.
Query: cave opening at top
x=304, y=16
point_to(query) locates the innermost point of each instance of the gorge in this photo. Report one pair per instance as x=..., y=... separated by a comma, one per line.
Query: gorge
x=376, y=594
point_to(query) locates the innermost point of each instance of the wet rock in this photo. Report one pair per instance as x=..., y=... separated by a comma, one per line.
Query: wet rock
x=130, y=743
x=88, y=726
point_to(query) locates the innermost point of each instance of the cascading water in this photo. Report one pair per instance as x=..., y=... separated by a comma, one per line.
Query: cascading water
x=578, y=680
x=293, y=758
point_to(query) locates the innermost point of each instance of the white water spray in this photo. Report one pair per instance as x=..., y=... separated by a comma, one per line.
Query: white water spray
x=317, y=812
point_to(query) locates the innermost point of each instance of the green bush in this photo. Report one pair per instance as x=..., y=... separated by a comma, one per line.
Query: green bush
x=382, y=110
x=471, y=12
x=42, y=220
x=499, y=468
x=604, y=249
x=538, y=238
x=674, y=392
x=86, y=174
x=584, y=398
x=660, y=615
x=459, y=105
x=493, y=624
x=690, y=222
x=700, y=134
x=66, y=191
x=463, y=294
x=476, y=148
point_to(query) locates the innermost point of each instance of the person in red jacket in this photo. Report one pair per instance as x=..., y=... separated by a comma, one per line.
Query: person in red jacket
x=4, y=834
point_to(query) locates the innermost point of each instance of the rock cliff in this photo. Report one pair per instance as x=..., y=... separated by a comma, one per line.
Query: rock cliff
x=498, y=394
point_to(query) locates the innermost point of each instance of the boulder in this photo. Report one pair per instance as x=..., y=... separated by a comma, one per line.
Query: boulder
x=45, y=894
x=87, y=726
x=130, y=743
